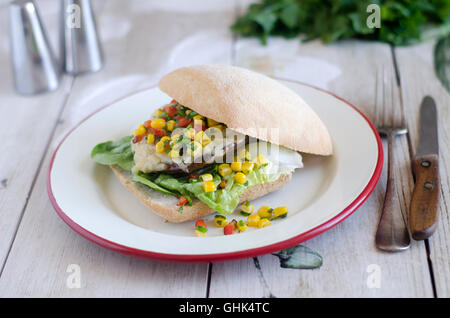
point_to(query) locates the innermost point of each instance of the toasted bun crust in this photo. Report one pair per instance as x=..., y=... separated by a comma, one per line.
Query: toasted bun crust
x=249, y=103
x=166, y=205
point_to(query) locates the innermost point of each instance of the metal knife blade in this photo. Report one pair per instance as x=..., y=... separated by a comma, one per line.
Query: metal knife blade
x=428, y=134
x=424, y=206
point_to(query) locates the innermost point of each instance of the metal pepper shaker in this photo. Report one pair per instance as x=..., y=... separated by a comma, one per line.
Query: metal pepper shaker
x=35, y=67
x=79, y=42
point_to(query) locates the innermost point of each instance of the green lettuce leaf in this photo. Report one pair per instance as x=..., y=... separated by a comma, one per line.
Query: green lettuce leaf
x=143, y=178
x=172, y=183
x=223, y=201
x=114, y=153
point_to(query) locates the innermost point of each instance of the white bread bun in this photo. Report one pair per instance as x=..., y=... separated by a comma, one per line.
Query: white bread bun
x=249, y=103
x=165, y=205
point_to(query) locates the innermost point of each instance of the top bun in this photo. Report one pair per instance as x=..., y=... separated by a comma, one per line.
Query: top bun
x=249, y=103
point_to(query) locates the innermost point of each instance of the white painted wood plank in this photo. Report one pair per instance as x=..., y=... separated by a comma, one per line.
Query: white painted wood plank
x=26, y=124
x=418, y=80
x=349, y=70
x=142, y=40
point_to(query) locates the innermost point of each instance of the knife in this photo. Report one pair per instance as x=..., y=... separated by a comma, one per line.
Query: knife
x=424, y=208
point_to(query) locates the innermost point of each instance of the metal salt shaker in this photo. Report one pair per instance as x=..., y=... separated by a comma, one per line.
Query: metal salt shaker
x=35, y=67
x=79, y=42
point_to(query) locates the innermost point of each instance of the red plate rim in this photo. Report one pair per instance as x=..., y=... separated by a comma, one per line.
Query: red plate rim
x=201, y=258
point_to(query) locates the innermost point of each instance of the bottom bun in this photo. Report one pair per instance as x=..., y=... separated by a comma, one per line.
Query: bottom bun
x=165, y=205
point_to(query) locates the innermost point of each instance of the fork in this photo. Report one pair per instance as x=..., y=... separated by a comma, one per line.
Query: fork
x=392, y=233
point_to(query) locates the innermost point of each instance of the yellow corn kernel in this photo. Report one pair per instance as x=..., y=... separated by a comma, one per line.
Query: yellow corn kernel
x=253, y=220
x=206, y=177
x=243, y=155
x=263, y=223
x=202, y=138
x=213, y=132
x=189, y=133
x=140, y=130
x=259, y=161
x=265, y=212
x=174, y=153
x=174, y=139
x=209, y=186
x=187, y=111
x=171, y=125
x=173, y=143
x=198, y=117
x=241, y=226
x=280, y=212
x=224, y=169
x=247, y=167
x=160, y=146
x=150, y=139
x=220, y=220
x=194, y=148
x=240, y=178
x=201, y=234
x=236, y=166
x=219, y=126
x=211, y=122
x=158, y=123
x=247, y=207
x=157, y=113
x=199, y=136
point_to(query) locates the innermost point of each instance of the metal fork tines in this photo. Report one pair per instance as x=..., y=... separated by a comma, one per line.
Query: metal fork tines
x=392, y=233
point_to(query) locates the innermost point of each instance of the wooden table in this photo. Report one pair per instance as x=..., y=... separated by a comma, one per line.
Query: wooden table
x=142, y=41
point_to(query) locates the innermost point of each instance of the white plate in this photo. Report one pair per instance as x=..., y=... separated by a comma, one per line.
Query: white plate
x=328, y=189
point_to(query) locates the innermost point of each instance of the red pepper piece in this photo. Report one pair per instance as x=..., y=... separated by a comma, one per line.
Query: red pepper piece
x=148, y=124
x=228, y=229
x=183, y=122
x=158, y=132
x=170, y=110
x=200, y=222
x=138, y=138
x=182, y=201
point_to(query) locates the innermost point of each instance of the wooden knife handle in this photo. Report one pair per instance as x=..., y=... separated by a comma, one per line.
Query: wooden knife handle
x=424, y=210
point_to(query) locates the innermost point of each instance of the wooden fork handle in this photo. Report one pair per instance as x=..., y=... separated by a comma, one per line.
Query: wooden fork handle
x=424, y=210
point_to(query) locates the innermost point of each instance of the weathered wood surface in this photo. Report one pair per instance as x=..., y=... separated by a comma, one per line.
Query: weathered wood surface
x=140, y=46
x=418, y=79
x=26, y=125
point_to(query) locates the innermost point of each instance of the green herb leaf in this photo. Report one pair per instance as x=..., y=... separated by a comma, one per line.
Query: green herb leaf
x=403, y=22
x=201, y=229
x=191, y=115
x=442, y=61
